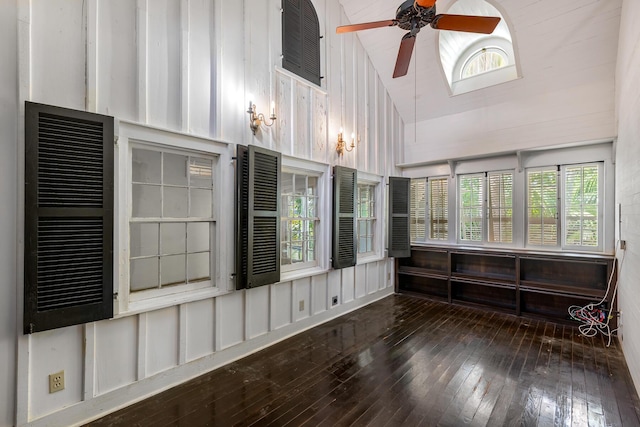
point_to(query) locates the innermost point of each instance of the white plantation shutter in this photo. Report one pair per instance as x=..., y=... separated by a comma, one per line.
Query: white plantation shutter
x=471, y=207
x=418, y=209
x=500, y=207
x=439, y=209
x=581, y=205
x=542, y=207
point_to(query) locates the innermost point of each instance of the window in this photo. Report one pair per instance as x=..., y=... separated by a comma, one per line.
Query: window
x=486, y=59
x=418, y=209
x=300, y=221
x=366, y=218
x=471, y=202
x=500, y=213
x=172, y=222
x=498, y=227
x=582, y=205
x=301, y=39
x=439, y=209
x=542, y=207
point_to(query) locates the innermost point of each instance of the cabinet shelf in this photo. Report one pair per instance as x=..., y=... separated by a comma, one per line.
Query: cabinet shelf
x=518, y=281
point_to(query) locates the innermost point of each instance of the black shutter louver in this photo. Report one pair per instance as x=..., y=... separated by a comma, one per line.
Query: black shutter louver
x=399, y=211
x=301, y=39
x=257, y=217
x=68, y=217
x=344, y=217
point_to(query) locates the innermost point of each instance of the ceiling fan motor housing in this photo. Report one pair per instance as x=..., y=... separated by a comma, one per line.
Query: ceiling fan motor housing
x=409, y=13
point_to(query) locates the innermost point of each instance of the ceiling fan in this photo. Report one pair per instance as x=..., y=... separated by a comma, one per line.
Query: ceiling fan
x=412, y=15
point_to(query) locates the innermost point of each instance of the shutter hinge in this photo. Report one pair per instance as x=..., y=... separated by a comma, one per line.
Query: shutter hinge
x=31, y=327
x=115, y=140
x=115, y=295
x=321, y=37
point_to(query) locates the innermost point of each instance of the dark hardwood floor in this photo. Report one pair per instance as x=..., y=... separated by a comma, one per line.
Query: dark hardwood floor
x=408, y=361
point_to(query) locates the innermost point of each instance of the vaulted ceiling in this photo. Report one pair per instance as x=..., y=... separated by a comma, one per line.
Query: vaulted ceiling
x=554, y=41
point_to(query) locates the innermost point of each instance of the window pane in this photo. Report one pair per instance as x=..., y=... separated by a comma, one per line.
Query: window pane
x=198, y=237
x=300, y=182
x=172, y=270
x=500, y=207
x=143, y=239
x=201, y=172
x=175, y=202
x=285, y=256
x=484, y=60
x=146, y=201
x=439, y=208
x=581, y=205
x=173, y=238
x=145, y=166
x=174, y=170
x=299, y=205
x=199, y=267
x=471, y=202
x=201, y=203
x=542, y=200
x=144, y=274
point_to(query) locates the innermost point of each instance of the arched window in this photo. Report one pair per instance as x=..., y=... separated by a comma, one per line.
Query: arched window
x=301, y=39
x=483, y=60
x=472, y=61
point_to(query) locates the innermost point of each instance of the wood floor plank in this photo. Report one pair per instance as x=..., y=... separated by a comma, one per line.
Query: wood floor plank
x=406, y=361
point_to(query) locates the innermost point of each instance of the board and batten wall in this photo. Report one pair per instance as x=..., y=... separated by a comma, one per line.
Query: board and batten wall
x=189, y=67
x=628, y=184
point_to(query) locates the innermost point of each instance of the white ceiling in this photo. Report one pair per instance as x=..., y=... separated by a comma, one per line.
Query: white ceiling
x=553, y=41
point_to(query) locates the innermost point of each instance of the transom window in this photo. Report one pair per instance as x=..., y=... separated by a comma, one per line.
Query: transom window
x=172, y=221
x=299, y=221
x=366, y=218
x=484, y=60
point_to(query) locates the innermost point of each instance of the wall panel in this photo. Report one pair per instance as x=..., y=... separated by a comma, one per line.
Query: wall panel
x=54, y=351
x=161, y=340
x=59, y=74
x=281, y=304
x=258, y=311
x=164, y=79
x=230, y=318
x=116, y=346
x=117, y=67
x=200, y=333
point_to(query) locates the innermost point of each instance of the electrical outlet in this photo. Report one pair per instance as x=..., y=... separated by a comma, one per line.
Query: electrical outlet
x=56, y=382
x=334, y=300
x=301, y=305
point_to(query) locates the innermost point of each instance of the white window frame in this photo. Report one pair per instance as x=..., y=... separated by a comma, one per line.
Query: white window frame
x=132, y=135
x=322, y=243
x=377, y=181
x=428, y=219
x=484, y=218
x=563, y=210
x=556, y=245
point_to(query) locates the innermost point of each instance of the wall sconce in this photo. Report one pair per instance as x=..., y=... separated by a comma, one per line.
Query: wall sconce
x=341, y=146
x=255, y=120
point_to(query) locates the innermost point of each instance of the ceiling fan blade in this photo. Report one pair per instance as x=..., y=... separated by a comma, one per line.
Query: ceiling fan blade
x=404, y=55
x=468, y=23
x=366, y=26
x=426, y=3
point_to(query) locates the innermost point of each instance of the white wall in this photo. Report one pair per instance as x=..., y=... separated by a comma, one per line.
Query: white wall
x=567, y=58
x=8, y=190
x=190, y=67
x=628, y=183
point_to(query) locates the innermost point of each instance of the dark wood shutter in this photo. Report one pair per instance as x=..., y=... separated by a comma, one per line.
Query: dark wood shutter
x=301, y=39
x=257, y=217
x=344, y=217
x=68, y=217
x=399, y=215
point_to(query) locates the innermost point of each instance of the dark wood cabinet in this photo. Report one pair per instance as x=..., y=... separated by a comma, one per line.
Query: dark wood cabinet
x=520, y=282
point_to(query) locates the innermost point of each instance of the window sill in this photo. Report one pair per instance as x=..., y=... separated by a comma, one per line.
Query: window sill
x=368, y=258
x=171, y=300
x=299, y=274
